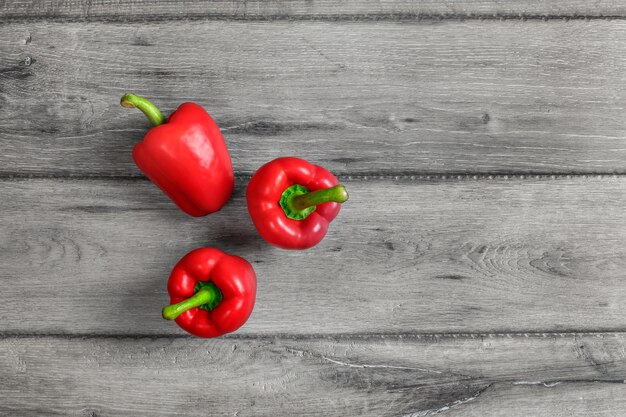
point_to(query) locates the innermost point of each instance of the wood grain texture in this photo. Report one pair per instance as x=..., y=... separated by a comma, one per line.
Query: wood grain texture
x=554, y=375
x=366, y=97
x=402, y=257
x=125, y=10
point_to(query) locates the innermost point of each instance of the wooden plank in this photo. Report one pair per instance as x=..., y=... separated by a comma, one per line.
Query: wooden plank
x=125, y=10
x=367, y=97
x=575, y=375
x=405, y=256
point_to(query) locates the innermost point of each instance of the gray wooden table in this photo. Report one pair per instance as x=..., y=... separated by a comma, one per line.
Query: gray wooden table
x=478, y=269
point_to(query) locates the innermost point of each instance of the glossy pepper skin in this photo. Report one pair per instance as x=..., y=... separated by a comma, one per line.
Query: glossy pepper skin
x=211, y=293
x=186, y=157
x=272, y=195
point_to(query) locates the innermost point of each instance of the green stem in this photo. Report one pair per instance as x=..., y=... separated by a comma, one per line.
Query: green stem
x=150, y=110
x=338, y=194
x=208, y=294
x=298, y=203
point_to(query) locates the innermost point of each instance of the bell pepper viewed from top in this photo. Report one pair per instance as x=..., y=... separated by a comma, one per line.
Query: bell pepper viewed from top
x=292, y=202
x=211, y=293
x=185, y=156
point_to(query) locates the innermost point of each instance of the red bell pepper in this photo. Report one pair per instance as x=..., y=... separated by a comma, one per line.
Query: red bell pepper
x=186, y=157
x=211, y=293
x=292, y=202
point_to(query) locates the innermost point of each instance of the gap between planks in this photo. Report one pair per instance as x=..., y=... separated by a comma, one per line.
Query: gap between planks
x=600, y=333
x=404, y=176
x=356, y=17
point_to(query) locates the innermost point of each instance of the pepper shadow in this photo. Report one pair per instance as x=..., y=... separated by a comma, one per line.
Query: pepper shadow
x=231, y=229
x=138, y=303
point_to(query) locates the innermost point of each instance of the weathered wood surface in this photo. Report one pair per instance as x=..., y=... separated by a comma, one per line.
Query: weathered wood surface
x=403, y=256
x=462, y=296
x=549, y=375
x=366, y=97
x=129, y=10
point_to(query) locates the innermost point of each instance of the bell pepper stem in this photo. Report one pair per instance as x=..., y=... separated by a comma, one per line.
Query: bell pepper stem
x=337, y=194
x=206, y=295
x=150, y=110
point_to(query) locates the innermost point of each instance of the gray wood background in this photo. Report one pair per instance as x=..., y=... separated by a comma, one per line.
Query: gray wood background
x=478, y=269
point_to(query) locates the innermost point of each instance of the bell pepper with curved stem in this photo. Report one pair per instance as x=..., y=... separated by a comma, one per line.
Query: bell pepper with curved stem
x=211, y=293
x=186, y=156
x=292, y=202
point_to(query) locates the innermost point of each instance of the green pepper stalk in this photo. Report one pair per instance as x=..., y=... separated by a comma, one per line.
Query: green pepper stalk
x=150, y=110
x=298, y=203
x=207, y=297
